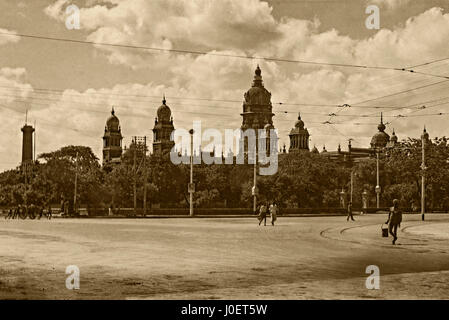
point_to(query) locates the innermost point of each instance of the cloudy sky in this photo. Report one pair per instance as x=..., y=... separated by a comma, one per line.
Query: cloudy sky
x=69, y=88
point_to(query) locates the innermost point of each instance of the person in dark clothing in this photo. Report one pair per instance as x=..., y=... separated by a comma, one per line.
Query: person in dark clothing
x=49, y=213
x=394, y=220
x=350, y=212
x=263, y=214
x=10, y=214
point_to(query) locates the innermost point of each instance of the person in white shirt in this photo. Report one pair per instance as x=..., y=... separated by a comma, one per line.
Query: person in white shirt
x=273, y=212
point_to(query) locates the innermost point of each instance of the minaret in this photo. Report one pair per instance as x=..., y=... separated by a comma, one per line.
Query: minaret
x=27, y=142
x=163, y=127
x=112, y=140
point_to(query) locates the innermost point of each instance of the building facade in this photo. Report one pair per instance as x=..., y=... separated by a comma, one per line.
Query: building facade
x=299, y=137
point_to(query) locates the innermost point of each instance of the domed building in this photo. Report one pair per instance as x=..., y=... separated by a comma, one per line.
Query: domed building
x=257, y=109
x=380, y=138
x=163, y=127
x=112, y=140
x=299, y=137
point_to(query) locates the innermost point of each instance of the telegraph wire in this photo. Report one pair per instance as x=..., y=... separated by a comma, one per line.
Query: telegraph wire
x=183, y=51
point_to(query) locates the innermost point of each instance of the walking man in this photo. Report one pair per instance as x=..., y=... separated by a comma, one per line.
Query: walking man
x=350, y=212
x=394, y=220
x=273, y=212
x=263, y=214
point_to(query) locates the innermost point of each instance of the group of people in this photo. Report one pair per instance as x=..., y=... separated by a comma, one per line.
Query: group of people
x=263, y=212
x=394, y=218
x=31, y=212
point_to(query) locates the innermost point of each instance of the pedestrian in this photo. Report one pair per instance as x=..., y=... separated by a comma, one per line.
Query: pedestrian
x=273, y=213
x=49, y=212
x=263, y=214
x=394, y=220
x=350, y=212
x=17, y=212
x=10, y=214
x=40, y=209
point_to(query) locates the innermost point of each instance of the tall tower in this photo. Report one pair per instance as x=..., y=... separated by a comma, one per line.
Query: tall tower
x=257, y=108
x=299, y=137
x=380, y=138
x=27, y=143
x=112, y=140
x=163, y=127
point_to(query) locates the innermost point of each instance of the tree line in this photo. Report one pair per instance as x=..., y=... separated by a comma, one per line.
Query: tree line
x=303, y=180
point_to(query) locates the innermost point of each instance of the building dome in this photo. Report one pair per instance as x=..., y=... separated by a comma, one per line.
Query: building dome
x=393, y=137
x=113, y=123
x=381, y=138
x=257, y=94
x=164, y=112
x=299, y=123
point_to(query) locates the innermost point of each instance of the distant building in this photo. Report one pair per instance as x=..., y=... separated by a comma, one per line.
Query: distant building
x=163, y=127
x=299, y=137
x=27, y=143
x=381, y=138
x=112, y=141
x=257, y=110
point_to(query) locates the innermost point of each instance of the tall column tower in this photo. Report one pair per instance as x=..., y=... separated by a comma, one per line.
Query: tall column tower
x=27, y=143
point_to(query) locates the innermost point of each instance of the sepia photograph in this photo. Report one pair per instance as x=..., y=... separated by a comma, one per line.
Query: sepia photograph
x=222, y=151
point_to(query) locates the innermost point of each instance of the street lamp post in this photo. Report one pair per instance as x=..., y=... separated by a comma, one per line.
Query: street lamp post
x=191, y=188
x=424, y=137
x=254, y=190
x=377, y=189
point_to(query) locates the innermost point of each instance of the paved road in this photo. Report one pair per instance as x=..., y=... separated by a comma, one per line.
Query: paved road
x=299, y=258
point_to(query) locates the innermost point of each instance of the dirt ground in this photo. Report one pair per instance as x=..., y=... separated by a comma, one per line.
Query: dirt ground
x=299, y=258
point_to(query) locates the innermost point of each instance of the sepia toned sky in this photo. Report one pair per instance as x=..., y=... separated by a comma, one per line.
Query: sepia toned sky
x=69, y=88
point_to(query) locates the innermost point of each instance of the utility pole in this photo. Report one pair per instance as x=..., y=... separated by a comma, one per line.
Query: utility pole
x=378, y=182
x=134, y=144
x=255, y=191
x=191, y=188
x=34, y=145
x=145, y=176
x=352, y=183
x=76, y=184
x=424, y=138
x=25, y=197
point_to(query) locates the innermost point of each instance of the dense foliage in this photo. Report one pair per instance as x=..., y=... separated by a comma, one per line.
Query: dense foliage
x=303, y=180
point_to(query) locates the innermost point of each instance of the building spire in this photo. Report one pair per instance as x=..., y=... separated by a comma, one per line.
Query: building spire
x=113, y=111
x=163, y=100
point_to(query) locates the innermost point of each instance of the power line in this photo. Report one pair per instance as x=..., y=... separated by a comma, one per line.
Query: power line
x=183, y=51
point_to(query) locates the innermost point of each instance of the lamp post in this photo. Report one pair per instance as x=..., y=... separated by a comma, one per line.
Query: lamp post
x=254, y=190
x=191, y=187
x=424, y=138
x=377, y=189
